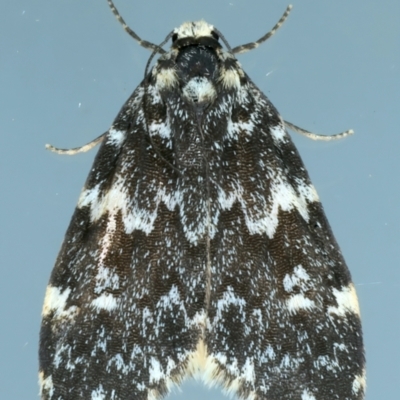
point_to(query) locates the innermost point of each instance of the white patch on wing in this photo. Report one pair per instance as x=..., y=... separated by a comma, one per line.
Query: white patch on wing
x=299, y=302
x=157, y=373
x=99, y=394
x=306, y=395
x=167, y=301
x=347, y=302
x=116, y=137
x=282, y=197
x=153, y=94
x=230, y=298
x=327, y=363
x=359, y=383
x=90, y=197
x=298, y=278
x=249, y=375
x=106, y=279
x=235, y=128
x=46, y=384
x=161, y=129
x=117, y=200
x=206, y=367
x=278, y=132
x=269, y=354
x=165, y=78
x=56, y=300
x=230, y=79
x=301, y=281
x=105, y=301
x=198, y=363
x=62, y=355
x=106, y=246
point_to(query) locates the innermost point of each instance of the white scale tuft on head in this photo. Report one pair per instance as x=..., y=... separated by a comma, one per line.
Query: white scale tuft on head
x=195, y=29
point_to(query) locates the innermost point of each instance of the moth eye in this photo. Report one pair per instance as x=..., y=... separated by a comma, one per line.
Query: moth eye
x=214, y=35
x=174, y=37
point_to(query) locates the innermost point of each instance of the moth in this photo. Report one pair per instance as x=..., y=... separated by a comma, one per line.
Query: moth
x=199, y=248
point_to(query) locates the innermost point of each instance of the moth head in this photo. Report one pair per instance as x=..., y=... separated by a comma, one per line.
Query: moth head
x=197, y=32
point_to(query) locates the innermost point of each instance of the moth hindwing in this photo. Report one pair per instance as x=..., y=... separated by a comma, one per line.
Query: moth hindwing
x=199, y=248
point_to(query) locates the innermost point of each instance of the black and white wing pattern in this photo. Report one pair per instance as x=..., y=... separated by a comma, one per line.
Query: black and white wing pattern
x=199, y=248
